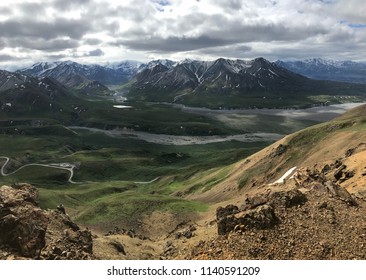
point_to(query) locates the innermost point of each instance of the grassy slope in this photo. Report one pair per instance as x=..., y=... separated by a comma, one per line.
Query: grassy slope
x=108, y=169
x=313, y=146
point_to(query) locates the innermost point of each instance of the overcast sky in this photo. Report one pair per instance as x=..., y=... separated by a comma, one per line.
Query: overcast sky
x=96, y=31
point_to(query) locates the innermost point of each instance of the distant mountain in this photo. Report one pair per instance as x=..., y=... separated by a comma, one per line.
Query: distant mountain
x=232, y=83
x=107, y=74
x=321, y=69
x=70, y=74
x=20, y=93
x=223, y=73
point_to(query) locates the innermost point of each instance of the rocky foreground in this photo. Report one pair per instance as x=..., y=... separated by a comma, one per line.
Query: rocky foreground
x=311, y=215
x=28, y=232
x=308, y=217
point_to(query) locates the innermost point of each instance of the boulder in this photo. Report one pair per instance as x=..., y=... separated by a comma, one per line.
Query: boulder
x=288, y=198
x=340, y=193
x=262, y=217
x=251, y=202
x=222, y=212
x=27, y=231
x=23, y=224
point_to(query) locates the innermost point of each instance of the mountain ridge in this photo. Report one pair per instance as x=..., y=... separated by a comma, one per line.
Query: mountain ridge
x=323, y=69
x=226, y=83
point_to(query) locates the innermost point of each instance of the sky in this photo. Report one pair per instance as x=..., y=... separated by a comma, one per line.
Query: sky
x=100, y=31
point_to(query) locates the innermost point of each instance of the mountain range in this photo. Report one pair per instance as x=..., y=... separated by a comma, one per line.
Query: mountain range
x=215, y=84
x=120, y=72
x=234, y=83
x=321, y=69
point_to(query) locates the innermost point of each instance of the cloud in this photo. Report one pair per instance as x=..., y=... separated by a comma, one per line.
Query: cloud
x=64, y=5
x=173, y=28
x=173, y=44
x=59, y=27
x=92, y=41
x=97, y=52
x=351, y=10
x=6, y=58
x=53, y=45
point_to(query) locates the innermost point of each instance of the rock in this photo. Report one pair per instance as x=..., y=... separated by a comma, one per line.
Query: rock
x=225, y=211
x=323, y=205
x=338, y=163
x=22, y=223
x=118, y=246
x=326, y=169
x=339, y=172
x=279, y=150
x=260, y=218
x=254, y=201
x=61, y=208
x=17, y=194
x=187, y=233
x=288, y=198
x=30, y=232
x=340, y=193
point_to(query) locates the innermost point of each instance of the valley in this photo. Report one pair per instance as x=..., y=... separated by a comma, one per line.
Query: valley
x=169, y=153
x=150, y=166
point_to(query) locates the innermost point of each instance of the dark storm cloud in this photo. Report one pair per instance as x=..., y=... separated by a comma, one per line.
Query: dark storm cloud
x=235, y=51
x=47, y=45
x=2, y=44
x=6, y=57
x=55, y=57
x=231, y=34
x=173, y=44
x=59, y=27
x=92, y=41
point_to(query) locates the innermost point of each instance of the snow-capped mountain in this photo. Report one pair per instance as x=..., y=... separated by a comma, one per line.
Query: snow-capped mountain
x=322, y=69
x=232, y=83
x=107, y=74
x=221, y=73
x=70, y=74
x=127, y=68
x=151, y=64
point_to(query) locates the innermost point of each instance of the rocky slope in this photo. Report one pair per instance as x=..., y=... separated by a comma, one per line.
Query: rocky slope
x=28, y=232
x=317, y=212
x=308, y=217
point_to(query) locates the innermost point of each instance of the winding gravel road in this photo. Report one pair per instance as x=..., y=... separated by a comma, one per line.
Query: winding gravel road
x=53, y=165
